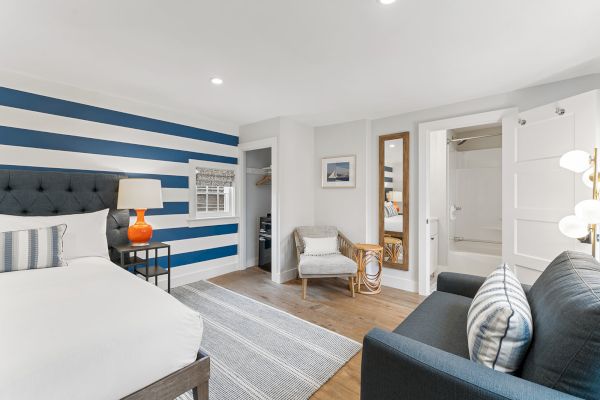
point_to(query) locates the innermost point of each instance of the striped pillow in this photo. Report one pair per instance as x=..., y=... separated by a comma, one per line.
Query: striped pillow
x=390, y=210
x=499, y=323
x=32, y=249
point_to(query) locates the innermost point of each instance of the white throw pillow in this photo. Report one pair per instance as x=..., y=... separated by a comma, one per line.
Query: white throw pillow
x=499, y=323
x=85, y=235
x=320, y=246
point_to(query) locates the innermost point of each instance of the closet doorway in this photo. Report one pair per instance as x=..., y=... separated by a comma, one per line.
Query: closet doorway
x=258, y=228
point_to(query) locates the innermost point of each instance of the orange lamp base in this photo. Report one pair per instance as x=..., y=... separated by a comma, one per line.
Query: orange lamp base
x=140, y=233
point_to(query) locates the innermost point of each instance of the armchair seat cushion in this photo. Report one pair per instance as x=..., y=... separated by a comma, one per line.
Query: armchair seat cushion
x=441, y=322
x=331, y=264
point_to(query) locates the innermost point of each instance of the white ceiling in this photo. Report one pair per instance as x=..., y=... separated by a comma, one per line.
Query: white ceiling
x=318, y=61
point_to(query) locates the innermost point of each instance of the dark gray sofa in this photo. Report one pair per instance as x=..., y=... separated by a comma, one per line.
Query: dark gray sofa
x=427, y=356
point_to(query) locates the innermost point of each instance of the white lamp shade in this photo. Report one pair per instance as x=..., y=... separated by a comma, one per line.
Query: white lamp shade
x=575, y=160
x=588, y=211
x=139, y=194
x=573, y=227
x=587, y=178
x=397, y=196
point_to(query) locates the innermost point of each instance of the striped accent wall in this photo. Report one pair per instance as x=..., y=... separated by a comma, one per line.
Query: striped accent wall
x=388, y=178
x=43, y=133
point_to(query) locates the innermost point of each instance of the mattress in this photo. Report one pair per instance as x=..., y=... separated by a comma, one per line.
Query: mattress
x=90, y=330
x=394, y=224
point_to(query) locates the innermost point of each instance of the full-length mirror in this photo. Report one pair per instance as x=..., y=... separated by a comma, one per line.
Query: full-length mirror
x=394, y=192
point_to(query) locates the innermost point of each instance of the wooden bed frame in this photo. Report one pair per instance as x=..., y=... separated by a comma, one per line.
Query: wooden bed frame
x=193, y=377
x=45, y=193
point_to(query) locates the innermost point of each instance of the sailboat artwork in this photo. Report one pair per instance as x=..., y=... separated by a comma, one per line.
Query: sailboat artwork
x=338, y=172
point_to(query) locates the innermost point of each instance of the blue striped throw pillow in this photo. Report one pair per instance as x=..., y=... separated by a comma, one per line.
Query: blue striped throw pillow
x=32, y=249
x=499, y=323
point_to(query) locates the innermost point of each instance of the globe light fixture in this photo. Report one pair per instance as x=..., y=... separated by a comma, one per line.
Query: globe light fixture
x=573, y=227
x=575, y=160
x=587, y=212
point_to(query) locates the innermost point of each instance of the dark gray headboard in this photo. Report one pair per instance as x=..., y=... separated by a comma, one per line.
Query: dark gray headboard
x=37, y=193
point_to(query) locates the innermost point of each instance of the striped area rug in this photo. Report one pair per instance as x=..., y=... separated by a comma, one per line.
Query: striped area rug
x=259, y=352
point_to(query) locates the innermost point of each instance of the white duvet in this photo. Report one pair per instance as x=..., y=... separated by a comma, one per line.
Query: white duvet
x=394, y=224
x=89, y=331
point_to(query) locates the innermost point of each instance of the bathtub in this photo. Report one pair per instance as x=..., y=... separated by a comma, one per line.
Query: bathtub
x=473, y=257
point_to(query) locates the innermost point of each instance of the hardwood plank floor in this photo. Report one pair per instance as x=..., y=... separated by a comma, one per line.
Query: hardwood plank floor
x=329, y=305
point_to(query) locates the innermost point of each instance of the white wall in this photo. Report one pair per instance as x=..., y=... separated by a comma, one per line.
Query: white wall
x=343, y=208
x=355, y=211
x=295, y=158
x=258, y=201
x=524, y=99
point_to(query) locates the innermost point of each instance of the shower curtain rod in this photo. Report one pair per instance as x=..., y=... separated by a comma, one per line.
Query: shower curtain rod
x=472, y=137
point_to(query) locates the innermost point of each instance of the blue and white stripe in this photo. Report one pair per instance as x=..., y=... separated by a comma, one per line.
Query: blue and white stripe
x=32, y=249
x=499, y=322
x=45, y=133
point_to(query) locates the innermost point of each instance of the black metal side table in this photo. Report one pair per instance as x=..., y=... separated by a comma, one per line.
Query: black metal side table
x=142, y=266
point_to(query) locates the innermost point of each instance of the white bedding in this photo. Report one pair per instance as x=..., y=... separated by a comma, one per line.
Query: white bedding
x=394, y=224
x=89, y=331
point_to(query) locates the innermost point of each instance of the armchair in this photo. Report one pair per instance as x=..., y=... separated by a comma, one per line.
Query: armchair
x=341, y=265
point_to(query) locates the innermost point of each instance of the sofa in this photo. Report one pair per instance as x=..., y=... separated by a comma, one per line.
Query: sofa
x=427, y=355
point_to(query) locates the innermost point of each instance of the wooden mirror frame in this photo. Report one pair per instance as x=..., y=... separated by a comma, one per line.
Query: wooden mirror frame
x=405, y=194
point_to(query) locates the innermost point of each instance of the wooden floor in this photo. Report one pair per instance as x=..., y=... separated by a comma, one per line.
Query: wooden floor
x=329, y=305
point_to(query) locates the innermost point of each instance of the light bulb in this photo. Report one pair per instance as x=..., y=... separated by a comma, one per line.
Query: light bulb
x=588, y=178
x=573, y=227
x=588, y=211
x=575, y=160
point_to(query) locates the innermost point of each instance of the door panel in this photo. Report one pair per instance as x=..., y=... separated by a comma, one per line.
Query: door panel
x=537, y=192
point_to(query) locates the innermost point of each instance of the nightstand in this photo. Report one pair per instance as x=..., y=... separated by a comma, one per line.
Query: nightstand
x=128, y=256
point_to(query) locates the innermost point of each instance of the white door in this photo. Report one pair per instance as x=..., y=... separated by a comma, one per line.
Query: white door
x=537, y=192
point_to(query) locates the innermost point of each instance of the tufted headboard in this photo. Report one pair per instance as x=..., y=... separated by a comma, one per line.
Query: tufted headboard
x=35, y=193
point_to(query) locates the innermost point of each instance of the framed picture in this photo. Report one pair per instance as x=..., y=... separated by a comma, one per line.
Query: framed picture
x=338, y=172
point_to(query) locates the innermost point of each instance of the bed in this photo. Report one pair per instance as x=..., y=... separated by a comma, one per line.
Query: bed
x=90, y=330
x=394, y=224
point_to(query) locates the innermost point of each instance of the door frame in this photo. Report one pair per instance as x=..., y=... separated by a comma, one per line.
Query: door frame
x=243, y=148
x=425, y=130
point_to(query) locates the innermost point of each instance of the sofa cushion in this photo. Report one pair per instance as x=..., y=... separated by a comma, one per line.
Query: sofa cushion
x=440, y=321
x=565, y=305
x=331, y=264
x=499, y=326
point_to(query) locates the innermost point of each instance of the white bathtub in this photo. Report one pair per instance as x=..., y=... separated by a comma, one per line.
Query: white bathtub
x=473, y=257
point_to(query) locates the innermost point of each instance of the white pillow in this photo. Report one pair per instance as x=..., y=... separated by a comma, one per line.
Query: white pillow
x=499, y=323
x=320, y=246
x=85, y=235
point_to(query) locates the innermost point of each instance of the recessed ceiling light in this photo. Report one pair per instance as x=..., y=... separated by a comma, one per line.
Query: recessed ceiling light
x=392, y=146
x=386, y=2
x=216, y=81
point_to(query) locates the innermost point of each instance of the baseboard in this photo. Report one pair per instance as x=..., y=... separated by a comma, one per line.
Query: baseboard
x=285, y=276
x=198, y=274
x=399, y=283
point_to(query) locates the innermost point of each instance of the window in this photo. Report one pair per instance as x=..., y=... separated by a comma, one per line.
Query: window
x=213, y=191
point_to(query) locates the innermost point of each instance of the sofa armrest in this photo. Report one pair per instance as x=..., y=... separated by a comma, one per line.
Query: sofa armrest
x=463, y=284
x=397, y=367
x=460, y=284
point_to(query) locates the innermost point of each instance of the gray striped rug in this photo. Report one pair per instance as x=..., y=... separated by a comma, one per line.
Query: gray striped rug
x=259, y=352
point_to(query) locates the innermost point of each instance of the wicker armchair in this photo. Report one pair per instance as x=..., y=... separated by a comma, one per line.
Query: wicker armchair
x=341, y=265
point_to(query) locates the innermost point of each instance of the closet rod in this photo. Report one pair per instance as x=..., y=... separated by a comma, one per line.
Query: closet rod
x=472, y=137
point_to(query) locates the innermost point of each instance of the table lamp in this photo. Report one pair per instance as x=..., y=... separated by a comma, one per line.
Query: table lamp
x=139, y=194
x=397, y=199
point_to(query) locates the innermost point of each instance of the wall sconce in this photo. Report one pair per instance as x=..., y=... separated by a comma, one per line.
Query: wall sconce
x=583, y=224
